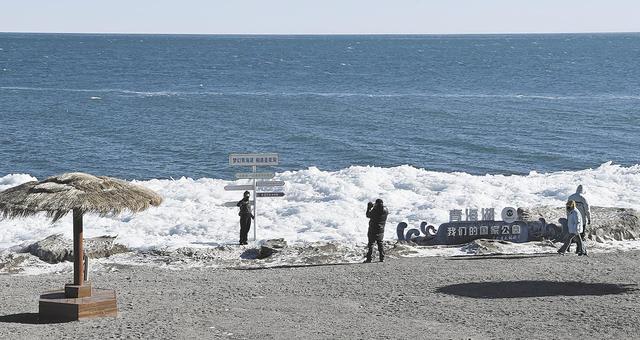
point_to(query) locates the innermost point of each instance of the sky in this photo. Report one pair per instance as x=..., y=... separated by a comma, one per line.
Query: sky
x=319, y=16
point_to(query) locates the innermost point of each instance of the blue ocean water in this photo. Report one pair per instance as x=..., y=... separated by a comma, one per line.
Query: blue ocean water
x=159, y=106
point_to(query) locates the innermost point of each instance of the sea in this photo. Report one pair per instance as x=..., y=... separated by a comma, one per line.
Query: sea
x=429, y=123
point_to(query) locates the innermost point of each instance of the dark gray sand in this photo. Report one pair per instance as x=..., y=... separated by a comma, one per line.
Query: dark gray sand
x=478, y=297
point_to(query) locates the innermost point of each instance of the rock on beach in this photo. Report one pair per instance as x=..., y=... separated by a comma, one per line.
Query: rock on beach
x=57, y=248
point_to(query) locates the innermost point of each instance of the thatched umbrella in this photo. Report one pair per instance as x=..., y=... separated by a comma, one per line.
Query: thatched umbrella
x=81, y=193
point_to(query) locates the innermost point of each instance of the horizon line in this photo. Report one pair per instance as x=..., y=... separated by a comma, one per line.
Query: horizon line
x=322, y=34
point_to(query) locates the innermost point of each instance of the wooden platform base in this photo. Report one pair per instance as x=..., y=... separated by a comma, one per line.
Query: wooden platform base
x=76, y=291
x=56, y=306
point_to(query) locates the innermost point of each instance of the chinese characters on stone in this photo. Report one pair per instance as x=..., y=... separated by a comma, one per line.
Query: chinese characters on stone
x=488, y=214
x=494, y=230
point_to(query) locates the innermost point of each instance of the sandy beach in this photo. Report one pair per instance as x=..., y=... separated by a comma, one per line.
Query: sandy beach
x=477, y=297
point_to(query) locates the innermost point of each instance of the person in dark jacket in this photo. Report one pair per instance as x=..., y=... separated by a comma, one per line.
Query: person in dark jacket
x=377, y=214
x=245, y=217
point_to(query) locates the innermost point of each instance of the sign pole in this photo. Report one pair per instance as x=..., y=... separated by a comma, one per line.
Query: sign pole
x=255, y=203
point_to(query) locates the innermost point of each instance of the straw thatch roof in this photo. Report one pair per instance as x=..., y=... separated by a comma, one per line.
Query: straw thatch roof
x=60, y=194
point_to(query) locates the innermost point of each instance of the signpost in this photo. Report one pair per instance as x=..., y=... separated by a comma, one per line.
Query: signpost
x=255, y=175
x=254, y=160
x=270, y=183
x=238, y=187
x=270, y=194
x=235, y=203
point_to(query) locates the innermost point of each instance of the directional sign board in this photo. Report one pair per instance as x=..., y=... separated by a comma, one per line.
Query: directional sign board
x=235, y=203
x=270, y=183
x=253, y=159
x=238, y=187
x=270, y=194
x=255, y=175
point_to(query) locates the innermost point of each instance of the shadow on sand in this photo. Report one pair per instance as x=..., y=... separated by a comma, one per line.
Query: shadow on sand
x=526, y=289
x=26, y=318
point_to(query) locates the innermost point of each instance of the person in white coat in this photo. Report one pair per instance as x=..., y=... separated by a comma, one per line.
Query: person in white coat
x=583, y=207
x=574, y=223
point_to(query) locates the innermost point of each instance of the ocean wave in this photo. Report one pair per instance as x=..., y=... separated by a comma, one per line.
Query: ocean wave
x=113, y=91
x=168, y=93
x=13, y=180
x=329, y=205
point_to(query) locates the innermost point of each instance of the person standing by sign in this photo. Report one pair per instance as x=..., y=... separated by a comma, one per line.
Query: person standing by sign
x=574, y=222
x=377, y=214
x=245, y=217
x=583, y=207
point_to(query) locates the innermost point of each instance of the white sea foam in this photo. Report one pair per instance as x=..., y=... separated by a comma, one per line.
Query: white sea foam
x=328, y=206
x=9, y=181
x=167, y=93
x=122, y=92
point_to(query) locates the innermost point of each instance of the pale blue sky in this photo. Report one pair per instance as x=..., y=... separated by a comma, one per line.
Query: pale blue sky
x=319, y=17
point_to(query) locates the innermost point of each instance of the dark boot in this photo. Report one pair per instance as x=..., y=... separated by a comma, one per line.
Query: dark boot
x=581, y=246
x=369, y=252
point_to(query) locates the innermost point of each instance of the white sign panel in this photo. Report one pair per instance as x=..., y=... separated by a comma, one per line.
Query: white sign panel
x=234, y=203
x=251, y=159
x=270, y=194
x=269, y=183
x=255, y=175
x=238, y=187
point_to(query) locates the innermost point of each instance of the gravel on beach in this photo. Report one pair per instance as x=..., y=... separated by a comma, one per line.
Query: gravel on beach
x=544, y=296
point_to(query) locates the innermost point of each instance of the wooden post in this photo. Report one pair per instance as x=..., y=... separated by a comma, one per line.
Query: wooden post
x=79, y=288
x=78, y=249
x=255, y=206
